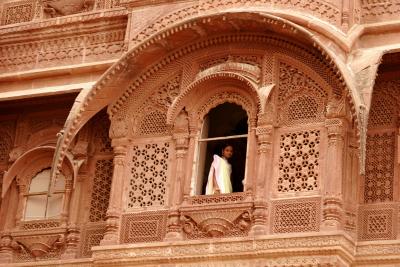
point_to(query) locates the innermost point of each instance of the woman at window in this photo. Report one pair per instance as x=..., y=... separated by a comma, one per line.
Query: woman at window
x=219, y=177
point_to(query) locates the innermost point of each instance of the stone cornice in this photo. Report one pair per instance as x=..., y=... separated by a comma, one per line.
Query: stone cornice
x=229, y=248
x=64, y=24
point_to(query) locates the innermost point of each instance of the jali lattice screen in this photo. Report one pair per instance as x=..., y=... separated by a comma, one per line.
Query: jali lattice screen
x=299, y=161
x=147, y=185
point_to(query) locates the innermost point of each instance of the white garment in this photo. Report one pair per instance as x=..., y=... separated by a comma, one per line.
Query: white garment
x=222, y=171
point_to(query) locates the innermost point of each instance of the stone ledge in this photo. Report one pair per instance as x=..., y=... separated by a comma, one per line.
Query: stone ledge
x=338, y=244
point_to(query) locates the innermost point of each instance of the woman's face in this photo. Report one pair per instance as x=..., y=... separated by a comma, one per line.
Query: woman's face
x=227, y=152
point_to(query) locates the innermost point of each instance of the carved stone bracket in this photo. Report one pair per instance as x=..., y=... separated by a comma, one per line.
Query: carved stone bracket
x=216, y=219
x=217, y=223
x=40, y=245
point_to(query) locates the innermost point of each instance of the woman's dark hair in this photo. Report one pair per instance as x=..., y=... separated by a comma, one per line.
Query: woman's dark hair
x=223, y=146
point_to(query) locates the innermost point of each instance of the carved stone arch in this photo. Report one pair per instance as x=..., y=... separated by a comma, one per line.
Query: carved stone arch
x=251, y=72
x=178, y=35
x=252, y=105
x=26, y=165
x=47, y=136
x=225, y=95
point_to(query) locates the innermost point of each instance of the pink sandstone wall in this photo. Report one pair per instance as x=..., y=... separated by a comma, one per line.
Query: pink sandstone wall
x=113, y=95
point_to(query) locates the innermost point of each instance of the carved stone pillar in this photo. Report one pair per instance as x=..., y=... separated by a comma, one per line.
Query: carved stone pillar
x=72, y=235
x=181, y=138
x=115, y=205
x=264, y=140
x=21, y=193
x=333, y=197
x=67, y=198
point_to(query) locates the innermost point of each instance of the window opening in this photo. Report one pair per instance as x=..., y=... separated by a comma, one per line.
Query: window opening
x=39, y=204
x=224, y=124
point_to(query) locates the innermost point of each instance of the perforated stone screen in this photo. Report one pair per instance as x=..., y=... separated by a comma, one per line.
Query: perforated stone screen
x=299, y=161
x=101, y=190
x=149, y=167
x=379, y=171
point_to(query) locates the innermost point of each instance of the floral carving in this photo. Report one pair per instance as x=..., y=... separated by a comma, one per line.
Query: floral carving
x=66, y=7
x=218, y=223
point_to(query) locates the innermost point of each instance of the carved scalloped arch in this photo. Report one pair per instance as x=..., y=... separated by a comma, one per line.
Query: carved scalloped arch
x=227, y=96
x=89, y=102
x=178, y=103
x=22, y=168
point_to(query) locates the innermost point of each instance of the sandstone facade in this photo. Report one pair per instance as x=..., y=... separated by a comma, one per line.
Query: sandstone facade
x=103, y=111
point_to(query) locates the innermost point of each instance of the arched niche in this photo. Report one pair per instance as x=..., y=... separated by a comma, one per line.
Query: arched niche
x=200, y=99
x=23, y=168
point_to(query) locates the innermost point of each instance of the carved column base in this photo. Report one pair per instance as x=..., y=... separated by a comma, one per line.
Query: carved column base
x=174, y=231
x=6, y=249
x=260, y=219
x=332, y=214
x=111, y=236
x=71, y=241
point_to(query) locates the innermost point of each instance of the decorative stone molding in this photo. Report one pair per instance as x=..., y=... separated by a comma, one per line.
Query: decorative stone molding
x=40, y=245
x=216, y=250
x=103, y=40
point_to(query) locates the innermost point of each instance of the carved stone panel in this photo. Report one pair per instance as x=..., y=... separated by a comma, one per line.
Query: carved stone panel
x=143, y=227
x=299, y=215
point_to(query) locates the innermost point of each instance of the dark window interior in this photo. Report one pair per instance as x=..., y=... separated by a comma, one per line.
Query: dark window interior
x=225, y=120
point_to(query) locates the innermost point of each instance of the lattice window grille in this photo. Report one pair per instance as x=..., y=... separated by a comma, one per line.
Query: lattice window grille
x=101, y=190
x=380, y=167
x=103, y=141
x=149, y=169
x=91, y=236
x=382, y=111
x=296, y=216
x=303, y=109
x=299, y=153
x=377, y=222
x=154, y=123
x=144, y=227
x=17, y=12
